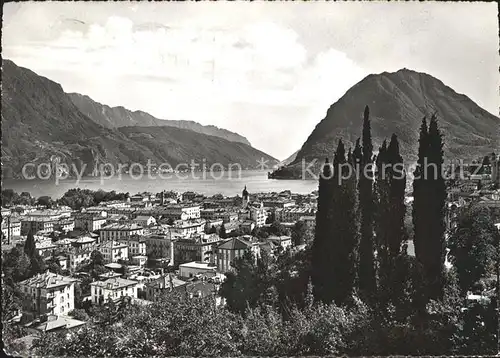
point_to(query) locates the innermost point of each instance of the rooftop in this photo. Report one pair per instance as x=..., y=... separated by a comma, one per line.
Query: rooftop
x=198, y=265
x=48, y=280
x=124, y=227
x=114, y=283
x=55, y=322
x=235, y=244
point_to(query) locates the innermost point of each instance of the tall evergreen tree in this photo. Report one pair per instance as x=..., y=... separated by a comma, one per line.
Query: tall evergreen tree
x=391, y=224
x=397, y=185
x=345, y=230
x=429, y=193
x=222, y=232
x=366, y=269
x=437, y=227
x=381, y=215
x=320, y=262
x=29, y=245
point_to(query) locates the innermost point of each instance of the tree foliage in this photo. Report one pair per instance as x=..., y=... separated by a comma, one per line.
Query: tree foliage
x=473, y=246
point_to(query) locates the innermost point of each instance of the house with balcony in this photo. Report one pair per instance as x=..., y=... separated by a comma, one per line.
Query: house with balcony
x=114, y=288
x=120, y=231
x=188, y=227
x=48, y=294
x=199, y=247
x=159, y=246
x=112, y=251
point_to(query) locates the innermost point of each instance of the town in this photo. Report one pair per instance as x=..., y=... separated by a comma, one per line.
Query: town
x=236, y=179
x=150, y=244
x=147, y=244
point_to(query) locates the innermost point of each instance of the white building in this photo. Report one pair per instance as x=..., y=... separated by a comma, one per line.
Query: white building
x=48, y=293
x=136, y=245
x=112, y=251
x=258, y=215
x=89, y=221
x=118, y=231
x=11, y=227
x=181, y=212
x=192, y=269
x=188, y=227
x=280, y=241
x=145, y=220
x=113, y=288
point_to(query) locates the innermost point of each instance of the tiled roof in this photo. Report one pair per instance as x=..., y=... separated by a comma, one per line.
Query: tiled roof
x=59, y=322
x=235, y=244
x=114, y=283
x=48, y=280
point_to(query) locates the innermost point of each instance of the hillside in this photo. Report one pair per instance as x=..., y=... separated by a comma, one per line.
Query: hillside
x=398, y=101
x=290, y=159
x=40, y=124
x=113, y=117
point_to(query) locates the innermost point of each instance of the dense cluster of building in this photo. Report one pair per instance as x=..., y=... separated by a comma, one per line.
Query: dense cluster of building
x=167, y=242
x=152, y=244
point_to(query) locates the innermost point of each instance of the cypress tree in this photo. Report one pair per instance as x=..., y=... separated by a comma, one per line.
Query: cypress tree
x=345, y=230
x=419, y=196
x=429, y=193
x=437, y=199
x=391, y=230
x=29, y=245
x=381, y=194
x=397, y=208
x=366, y=269
x=320, y=263
x=222, y=232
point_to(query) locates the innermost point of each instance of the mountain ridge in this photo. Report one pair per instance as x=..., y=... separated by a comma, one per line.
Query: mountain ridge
x=119, y=116
x=41, y=124
x=398, y=101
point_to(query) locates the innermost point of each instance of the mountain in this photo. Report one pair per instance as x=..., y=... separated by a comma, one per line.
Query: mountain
x=112, y=117
x=398, y=101
x=289, y=160
x=41, y=124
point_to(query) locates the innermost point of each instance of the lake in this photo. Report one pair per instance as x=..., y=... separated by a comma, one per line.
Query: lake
x=229, y=184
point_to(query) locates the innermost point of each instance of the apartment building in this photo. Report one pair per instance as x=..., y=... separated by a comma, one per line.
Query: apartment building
x=136, y=245
x=112, y=251
x=159, y=246
x=188, y=227
x=120, y=231
x=89, y=221
x=48, y=294
x=200, y=247
x=294, y=214
x=181, y=212
x=113, y=288
x=10, y=227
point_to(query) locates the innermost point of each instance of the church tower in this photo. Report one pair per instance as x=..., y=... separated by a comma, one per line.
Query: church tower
x=244, y=195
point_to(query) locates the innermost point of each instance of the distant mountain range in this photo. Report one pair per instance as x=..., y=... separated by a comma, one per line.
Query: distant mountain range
x=114, y=117
x=41, y=124
x=398, y=101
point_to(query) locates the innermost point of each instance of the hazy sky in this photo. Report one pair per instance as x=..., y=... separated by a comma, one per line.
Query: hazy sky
x=268, y=71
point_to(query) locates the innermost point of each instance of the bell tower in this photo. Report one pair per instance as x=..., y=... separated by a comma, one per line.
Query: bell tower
x=244, y=195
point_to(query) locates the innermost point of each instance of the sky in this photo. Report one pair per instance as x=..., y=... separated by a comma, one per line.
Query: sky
x=266, y=70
